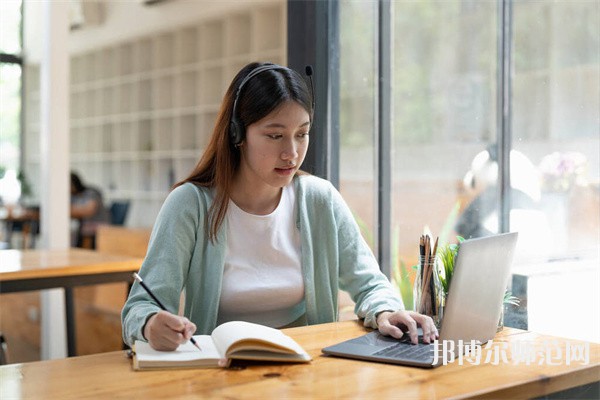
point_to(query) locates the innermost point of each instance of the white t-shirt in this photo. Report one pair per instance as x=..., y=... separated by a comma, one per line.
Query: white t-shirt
x=262, y=280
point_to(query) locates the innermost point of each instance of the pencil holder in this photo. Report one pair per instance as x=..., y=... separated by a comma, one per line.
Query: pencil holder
x=428, y=293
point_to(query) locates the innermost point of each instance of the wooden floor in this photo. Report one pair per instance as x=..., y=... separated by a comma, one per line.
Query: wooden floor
x=19, y=323
x=98, y=328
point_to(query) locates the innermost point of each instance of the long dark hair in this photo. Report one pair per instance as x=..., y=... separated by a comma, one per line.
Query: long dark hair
x=76, y=183
x=259, y=96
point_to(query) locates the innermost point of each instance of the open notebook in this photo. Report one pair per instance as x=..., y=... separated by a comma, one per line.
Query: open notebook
x=231, y=340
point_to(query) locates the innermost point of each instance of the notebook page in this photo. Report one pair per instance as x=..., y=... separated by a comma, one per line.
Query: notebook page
x=185, y=352
x=230, y=332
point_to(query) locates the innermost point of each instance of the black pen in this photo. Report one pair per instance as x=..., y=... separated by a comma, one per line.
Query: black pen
x=147, y=289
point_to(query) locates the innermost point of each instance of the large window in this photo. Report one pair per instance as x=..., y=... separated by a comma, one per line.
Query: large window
x=10, y=85
x=358, y=112
x=447, y=116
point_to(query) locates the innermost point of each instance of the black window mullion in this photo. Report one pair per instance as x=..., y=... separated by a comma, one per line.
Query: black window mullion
x=313, y=39
x=504, y=131
x=384, y=136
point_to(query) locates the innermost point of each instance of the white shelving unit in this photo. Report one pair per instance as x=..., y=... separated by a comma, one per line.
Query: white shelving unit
x=142, y=110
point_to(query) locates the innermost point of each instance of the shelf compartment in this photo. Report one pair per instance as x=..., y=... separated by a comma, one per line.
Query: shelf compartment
x=89, y=68
x=188, y=132
x=163, y=98
x=164, y=51
x=99, y=67
x=77, y=69
x=77, y=106
x=126, y=59
x=144, y=176
x=109, y=64
x=123, y=136
x=145, y=95
x=211, y=86
x=109, y=99
x=188, y=47
x=90, y=103
x=144, y=136
x=125, y=175
x=238, y=35
x=164, y=175
x=108, y=178
x=163, y=134
x=93, y=139
x=77, y=141
x=107, y=139
x=98, y=104
x=268, y=29
x=206, y=129
x=127, y=100
x=144, y=55
x=187, y=89
x=211, y=41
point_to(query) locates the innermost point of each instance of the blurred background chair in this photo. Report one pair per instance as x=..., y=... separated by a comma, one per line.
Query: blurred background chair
x=118, y=212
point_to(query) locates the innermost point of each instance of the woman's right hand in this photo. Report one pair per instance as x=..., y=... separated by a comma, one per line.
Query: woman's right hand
x=165, y=331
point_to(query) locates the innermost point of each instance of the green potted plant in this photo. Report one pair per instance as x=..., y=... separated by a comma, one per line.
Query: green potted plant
x=25, y=186
x=446, y=256
x=509, y=299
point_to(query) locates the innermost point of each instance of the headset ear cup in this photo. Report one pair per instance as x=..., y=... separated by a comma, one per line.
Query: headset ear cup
x=235, y=133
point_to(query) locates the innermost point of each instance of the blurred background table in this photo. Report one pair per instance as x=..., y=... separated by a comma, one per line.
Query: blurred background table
x=26, y=270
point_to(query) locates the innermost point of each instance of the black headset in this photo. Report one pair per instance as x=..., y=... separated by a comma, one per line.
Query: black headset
x=236, y=128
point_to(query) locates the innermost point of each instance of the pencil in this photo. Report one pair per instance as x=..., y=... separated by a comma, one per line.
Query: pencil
x=424, y=308
x=434, y=271
x=161, y=305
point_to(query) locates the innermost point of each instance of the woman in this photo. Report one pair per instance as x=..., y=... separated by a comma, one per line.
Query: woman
x=248, y=236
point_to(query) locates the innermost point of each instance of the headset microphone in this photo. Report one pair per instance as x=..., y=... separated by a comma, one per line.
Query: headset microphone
x=309, y=73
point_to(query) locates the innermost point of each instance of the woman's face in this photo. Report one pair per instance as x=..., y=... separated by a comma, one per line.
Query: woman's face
x=275, y=146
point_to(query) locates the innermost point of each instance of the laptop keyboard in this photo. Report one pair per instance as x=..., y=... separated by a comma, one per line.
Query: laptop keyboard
x=408, y=351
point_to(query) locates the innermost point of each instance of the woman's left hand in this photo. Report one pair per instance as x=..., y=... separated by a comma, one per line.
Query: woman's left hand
x=398, y=323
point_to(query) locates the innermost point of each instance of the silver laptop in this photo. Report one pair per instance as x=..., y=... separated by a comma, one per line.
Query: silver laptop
x=472, y=309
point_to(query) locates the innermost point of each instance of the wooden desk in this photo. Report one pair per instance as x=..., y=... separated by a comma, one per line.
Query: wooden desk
x=45, y=269
x=109, y=375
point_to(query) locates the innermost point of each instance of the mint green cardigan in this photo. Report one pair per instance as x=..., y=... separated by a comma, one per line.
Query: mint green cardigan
x=181, y=258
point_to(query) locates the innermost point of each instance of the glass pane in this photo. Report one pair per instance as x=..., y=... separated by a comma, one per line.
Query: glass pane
x=444, y=119
x=556, y=116
x=10, y=26
x=10, y=114
x=358, y=84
